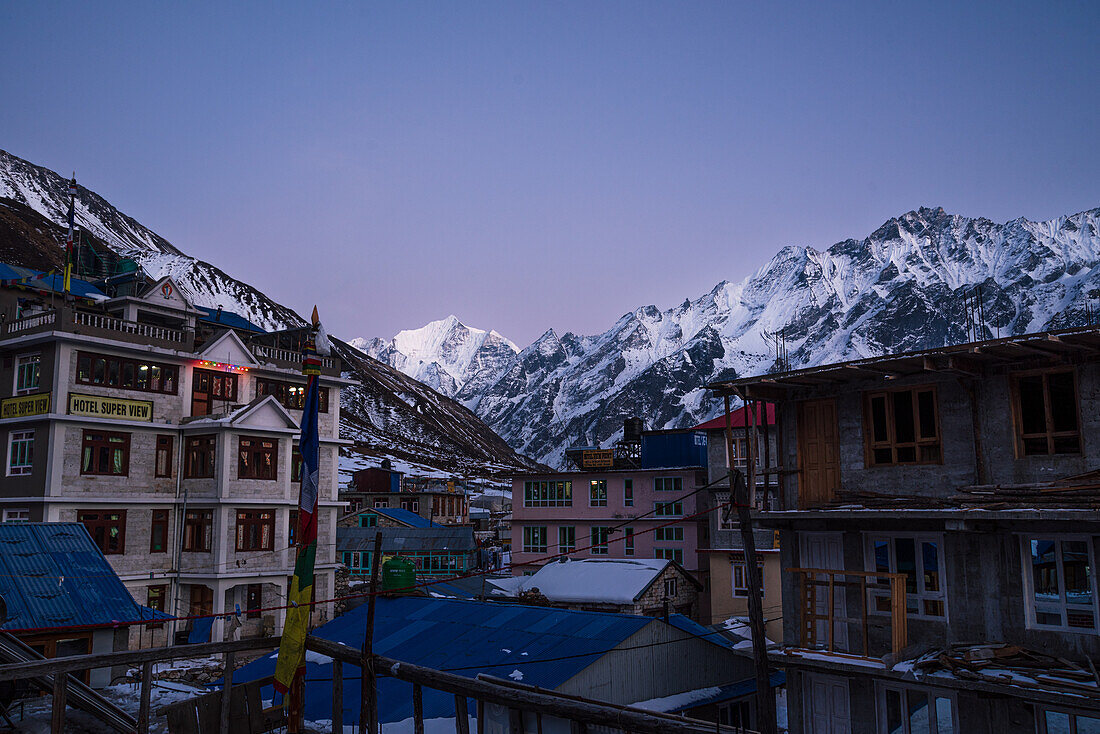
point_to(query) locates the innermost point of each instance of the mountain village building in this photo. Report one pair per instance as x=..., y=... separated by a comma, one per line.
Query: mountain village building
x=641, y=508
x=169, y=431
x=939, y=530
x=439, y=501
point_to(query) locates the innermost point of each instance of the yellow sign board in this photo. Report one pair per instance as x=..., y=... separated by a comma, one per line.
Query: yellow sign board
x=24, y=405
x=598, y=459
x=101, y=406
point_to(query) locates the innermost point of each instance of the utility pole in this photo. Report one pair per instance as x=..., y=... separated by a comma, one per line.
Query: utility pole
x=368, y=693
x=740, y=497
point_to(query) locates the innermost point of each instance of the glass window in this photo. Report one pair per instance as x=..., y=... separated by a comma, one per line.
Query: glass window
x=548, y=494
x=112, y=371
x=567, y=539
x=17, y=515
x=597, y=493
x=663, y=534
x=197, y=530
x=1062, y=593
x=628, y=541
x=534, y=539
x=200, y=457
x=668, y=509
x=668, y=484
x=740, y=572
x=105, y=452
x=27, y=371
x=670, y=554
x=257, y=458
x=107, y=528
x=158, y=532
x=918, y=557
x=255, y=530
x=20, y=452
x=628, y=492
x=599, y=540
x=291, y=396
x=163, y=467
x=905, y=710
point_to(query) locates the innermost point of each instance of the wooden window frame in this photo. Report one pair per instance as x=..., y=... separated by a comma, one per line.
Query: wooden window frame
x=159, y=521
x=287, y=393
x=255, y=530
x=253, y=447
x=86, y=372
x=198, y=531
x=92, y=519
x=196, y=447
x=1049, y=434
x=107, y=442
x=296, y=464
x=891, y=443
x=166, y=444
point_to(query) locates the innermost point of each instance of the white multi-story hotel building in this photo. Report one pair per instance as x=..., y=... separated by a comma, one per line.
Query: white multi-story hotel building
x=171, y=433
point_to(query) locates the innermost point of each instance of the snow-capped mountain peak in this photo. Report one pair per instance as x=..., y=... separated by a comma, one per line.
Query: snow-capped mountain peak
x=446, y=355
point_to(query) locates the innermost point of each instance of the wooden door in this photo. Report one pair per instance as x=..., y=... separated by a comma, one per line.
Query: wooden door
x=211, y=389
x=818, y=453
x=826, y=551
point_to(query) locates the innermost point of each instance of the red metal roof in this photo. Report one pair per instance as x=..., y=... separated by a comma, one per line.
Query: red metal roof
x=738, y=418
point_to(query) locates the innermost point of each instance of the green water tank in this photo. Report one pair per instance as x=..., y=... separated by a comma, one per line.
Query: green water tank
x=398, y=574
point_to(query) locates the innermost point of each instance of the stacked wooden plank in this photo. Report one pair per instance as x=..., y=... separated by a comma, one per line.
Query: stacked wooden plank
x=1012, y=665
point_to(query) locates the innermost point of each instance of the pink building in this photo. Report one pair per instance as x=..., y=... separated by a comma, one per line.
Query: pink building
x=567, y=512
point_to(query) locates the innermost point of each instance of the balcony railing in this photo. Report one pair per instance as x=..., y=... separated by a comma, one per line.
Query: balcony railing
x=110, y=323
x=824, y=622
x=288, y=356
x=31, y=323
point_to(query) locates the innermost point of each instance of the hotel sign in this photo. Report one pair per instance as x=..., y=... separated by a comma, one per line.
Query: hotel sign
x=101, y=406
x=598, y=459
x=25, y=405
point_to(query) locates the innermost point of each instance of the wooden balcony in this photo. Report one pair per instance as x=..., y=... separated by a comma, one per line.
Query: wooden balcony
x=825, y=624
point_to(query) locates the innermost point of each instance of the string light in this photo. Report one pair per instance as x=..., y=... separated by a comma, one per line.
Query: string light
x=223, y=365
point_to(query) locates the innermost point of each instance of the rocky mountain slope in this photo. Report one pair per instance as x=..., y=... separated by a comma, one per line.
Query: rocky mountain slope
x=902, y=287
x=388, y=416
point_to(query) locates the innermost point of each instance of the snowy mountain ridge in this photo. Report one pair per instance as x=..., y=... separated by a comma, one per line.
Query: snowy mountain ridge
x=446, y=355
x=900, y=288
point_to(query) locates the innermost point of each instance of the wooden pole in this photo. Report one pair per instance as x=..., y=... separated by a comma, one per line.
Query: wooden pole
x=462, y=715
x=729, y=450
x=337, y=696
x=750, y=431
x=765, y=697
x=227, y=691
x=57, y=715
x=146, y=692
x=368, y=705
x=418, y=709
x=767, y=454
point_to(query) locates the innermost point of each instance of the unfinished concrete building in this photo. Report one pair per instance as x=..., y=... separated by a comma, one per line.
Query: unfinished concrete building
x=940, y=537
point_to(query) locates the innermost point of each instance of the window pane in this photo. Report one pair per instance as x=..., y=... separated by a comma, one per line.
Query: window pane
x=882, y=456
x=930, y=557
x=894, y=724
x=903, y=417
x=1057, y=722
x=1078, y=581
x=945, y=719
x=905, y=552
x=1044, y=573
x=1088, y=725
x=1063, y=401
x=926, y=414
x=878, y=418
x=918, y=712
x=882, y=556
x=1032, y=407
x=907, y=454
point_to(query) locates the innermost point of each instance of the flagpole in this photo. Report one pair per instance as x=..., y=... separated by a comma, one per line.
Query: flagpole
x=69, y=240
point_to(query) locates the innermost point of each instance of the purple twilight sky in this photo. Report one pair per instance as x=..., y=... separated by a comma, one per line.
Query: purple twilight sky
x=546, y=164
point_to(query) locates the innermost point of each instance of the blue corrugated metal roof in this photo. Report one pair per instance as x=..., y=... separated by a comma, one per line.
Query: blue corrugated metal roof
x=49, y=282
x=53, y=575
x=228, y=318
x=731, y=692
x=466, y=637
x=405, y=517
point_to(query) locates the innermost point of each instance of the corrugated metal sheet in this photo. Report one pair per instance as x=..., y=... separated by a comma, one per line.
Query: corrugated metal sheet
x=668, y=450
x=49, y=282
x=405, y=517
x=548, y=646
x=419, y=540
x=731, y=692
x=53, y=575
x=228, y=318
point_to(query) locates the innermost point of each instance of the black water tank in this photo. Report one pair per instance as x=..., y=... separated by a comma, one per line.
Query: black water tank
x=632, y=430
x=387, y=464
